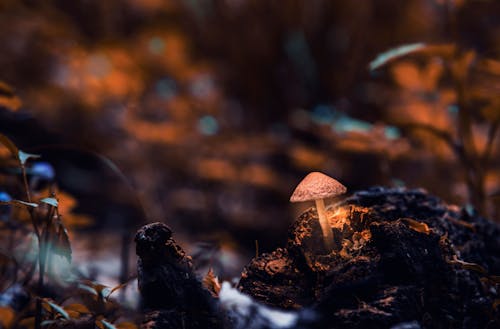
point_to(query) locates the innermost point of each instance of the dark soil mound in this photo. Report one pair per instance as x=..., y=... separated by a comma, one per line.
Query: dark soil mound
x=401, y=256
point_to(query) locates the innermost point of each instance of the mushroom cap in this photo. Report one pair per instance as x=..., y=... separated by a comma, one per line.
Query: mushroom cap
x=316, y=186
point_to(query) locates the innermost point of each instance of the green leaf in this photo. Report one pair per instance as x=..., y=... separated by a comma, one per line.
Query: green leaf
x=108, y=325
x=63, y=246
x=394, y=53
x=87, y=288
x=58, y=309
x=9, y=145
x=105, y=292
x=443, y=50
x=50, y=201
x=24, y=203
x=101, y=289
x=48, y=322
x=23, y=156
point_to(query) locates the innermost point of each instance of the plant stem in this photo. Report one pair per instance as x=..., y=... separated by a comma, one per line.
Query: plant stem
x=124, y=262
x=474, y=172
x=436, y=132
x=486, y=157
x=25, y=180
x=28, y=195
x=38, y=315
x=325, y=226
x=43, y=251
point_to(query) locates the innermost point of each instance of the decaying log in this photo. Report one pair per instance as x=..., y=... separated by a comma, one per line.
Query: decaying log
x=404, y=259
x=172, y=297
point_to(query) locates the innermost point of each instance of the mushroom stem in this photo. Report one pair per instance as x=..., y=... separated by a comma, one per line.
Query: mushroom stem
x=325, y=226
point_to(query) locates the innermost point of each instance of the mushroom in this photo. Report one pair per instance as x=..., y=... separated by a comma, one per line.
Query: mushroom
x=318, y=186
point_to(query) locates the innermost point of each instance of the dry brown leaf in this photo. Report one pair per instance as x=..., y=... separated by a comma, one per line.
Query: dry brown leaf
x=416, y=225
x=80, y=308
x=211, y=283
x=216, y=169
x=28, y=323
x=73, y=314
x=258, y=174
x=468, y=266
x=7, y=315
x=407, y=75
x=61, y=242
x=461, y=223
x=126, y=325
x=8, y=98
x=494, y=278
x=460, y=67
x=431, y=74
x=306, y=157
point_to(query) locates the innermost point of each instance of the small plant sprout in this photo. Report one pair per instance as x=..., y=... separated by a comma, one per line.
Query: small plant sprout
x=316, y=187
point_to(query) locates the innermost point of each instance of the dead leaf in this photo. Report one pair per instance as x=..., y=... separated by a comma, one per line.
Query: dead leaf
x=7, y=315
x=494, y=278
x=461, y=223
x=126, y=325
x=8, y=98
x=407, y=75
x=9, y=145
x=28, y=323
x=468, y=266
x=460, y=67
x=73, y=314
x=61, y=242
x=416, y=225
x=118, y=287
x=211, y=283
x=76, y=307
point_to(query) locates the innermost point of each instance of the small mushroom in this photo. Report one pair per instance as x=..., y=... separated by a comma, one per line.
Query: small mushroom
x=318, y=186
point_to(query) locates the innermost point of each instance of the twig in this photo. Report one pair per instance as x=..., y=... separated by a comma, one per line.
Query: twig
x=441, y=134
x=489, y=142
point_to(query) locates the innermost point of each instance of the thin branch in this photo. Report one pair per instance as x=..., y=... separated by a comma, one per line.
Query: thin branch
x=441, y=134
x=492, y=132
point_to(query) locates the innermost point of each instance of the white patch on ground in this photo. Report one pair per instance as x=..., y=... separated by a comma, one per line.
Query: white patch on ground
x=250, y=314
